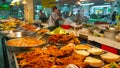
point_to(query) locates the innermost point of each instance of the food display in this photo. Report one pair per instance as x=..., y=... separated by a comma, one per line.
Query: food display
x=64, y=57
x=43, y=31
x=58, y=30
x=34, y=53
x=110, y=57
x=50, y=57
x=82, y=52
x=82, y=46
x=71, y=66
x=94, y=62
x=29, y=27
x=111, y=65
x=64, y=39
x=25, y=42
x=9, y=24
x=95, y=51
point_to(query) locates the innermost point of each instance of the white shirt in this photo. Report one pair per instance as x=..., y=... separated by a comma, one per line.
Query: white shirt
x=52, y=19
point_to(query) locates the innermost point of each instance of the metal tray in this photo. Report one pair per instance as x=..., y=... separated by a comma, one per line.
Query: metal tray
x=94, y=56
x=15, y=59
x=17, y=49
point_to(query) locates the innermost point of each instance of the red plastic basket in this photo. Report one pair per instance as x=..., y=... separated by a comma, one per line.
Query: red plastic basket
x=66, y=26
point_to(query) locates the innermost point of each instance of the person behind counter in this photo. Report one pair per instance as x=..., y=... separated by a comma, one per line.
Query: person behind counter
x=113, y=18
x=42, y=16
x=79, y=18
x=54, y=18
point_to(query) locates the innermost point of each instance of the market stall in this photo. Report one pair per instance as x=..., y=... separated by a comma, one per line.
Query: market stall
x=25, y=45
x=73, y=44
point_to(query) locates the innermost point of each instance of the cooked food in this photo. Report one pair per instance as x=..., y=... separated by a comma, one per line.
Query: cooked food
x=29, y=27
x=94, y=62
x=64, y=38
x=82, y=46
x=111, y=65
x=43, y=31
x=67, y=50
x=52, y=50
x=25, y=42
x=95, y=51
x=50, y=58
x=64, y=51
x=58, y=30
x=71, y=66
x=9, y=24
x=110, y=57
x=82, y=52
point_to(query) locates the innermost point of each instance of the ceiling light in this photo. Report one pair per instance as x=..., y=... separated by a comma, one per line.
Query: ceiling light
x=87, y=4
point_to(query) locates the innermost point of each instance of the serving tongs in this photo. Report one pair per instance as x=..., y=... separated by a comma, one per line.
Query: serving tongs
x=45, y=47
x=39, y=37
x=36, y=32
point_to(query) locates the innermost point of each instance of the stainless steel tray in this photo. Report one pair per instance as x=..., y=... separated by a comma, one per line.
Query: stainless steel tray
x=95, y=56
x=17, y=48
x=15, y=59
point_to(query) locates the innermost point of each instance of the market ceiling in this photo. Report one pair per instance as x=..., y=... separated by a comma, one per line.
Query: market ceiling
x=73, y=1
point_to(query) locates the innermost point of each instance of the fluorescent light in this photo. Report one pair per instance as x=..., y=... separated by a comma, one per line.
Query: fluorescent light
x=106, y=3
x=86, y=4
x=65, y=4
x=102, y=6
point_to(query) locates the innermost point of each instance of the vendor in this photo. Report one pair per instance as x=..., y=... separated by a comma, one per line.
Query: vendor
x=113, y=18
x=54, y=18
x=79, y=18
x=42, y=16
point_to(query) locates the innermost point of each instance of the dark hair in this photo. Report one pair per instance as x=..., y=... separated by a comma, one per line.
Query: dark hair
x=54, y=8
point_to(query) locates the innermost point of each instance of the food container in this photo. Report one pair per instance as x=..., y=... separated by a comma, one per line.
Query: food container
x=6, y=31
x=95, y=51
x=110, y=57
x=15, y=35
x=94, y=62
x=71, y=66
x=66, y=26
x=22, y=46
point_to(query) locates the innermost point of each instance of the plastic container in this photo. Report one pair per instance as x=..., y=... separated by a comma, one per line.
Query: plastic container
x=66, y=26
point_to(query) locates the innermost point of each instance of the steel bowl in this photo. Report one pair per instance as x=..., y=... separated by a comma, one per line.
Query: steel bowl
x=23, y=48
